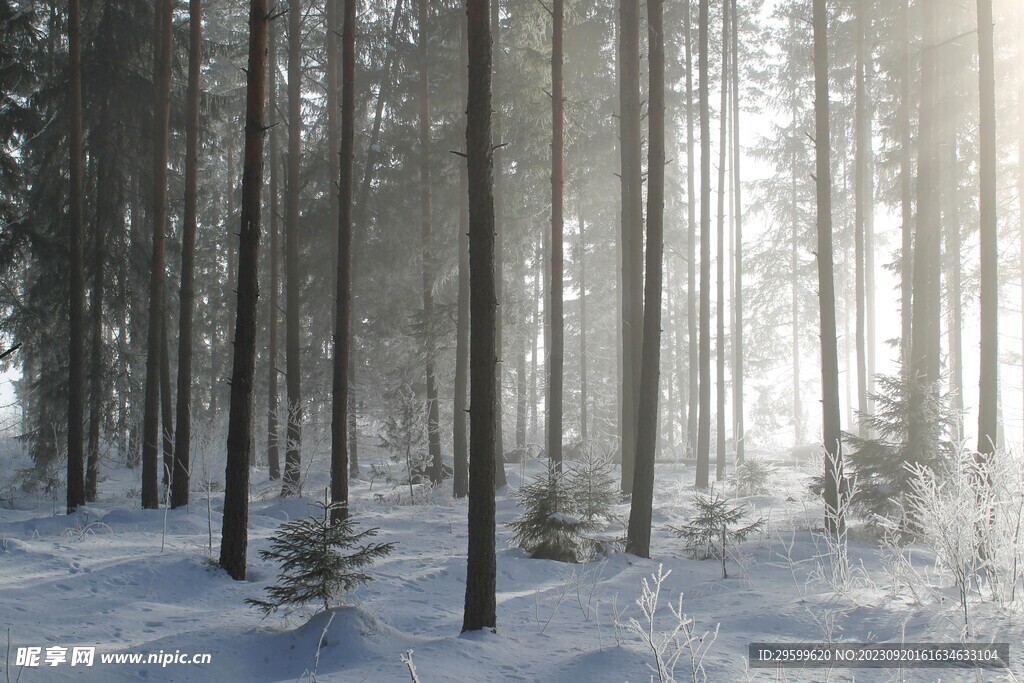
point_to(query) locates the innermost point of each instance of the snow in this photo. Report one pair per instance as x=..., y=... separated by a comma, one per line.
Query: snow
x=99, y=578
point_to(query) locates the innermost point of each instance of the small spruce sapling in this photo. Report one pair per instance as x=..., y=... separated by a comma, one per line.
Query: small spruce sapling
x=314, y=567
x=593, y=486
x=715, y=528
x=755, y=476
x=551, y=527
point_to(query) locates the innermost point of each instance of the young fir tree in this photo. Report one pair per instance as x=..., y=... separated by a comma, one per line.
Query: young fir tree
x=551, y=527
x=715, y=528
x=592, y=484
x=314, y=564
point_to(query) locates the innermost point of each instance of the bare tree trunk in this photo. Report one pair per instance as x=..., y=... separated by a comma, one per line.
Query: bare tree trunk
x=794, y=264
x=826, y=289
x=737, y=212
x=293, y=454
x=538, y=295
x=481, y=565
x=273, y=431
x=460, y=469
x=723, y=131
x=862, y=206
x=343, y=314
x=161, y=113
x=906, y=200
x=693, y=353
x=240, y=426
x=951, y=215
x=555, y=311
x=499, y=250
x=704, y=403
x=166, y=405
x=183, y=431
x=988, y=419
x=638, y=538
x=433, y=419
x=76, y=270
x=584, y=396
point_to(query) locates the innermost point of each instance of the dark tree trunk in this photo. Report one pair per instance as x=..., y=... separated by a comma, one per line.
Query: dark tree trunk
x=704, y=402
x=433, y=419
x=693, y=354
x=737, y=337
x=183, y=431
x=161, y=112
x=988, y=418
x=460, y=469
x=240, y=425
x=481, y=566
x=76, y=271
x=343, y=317
x=331, y=77
x=638, y=538
x=826, y=288
x=273, y=431
x=555, y=310
x=632, y=230
x=166, y=405
x=723, y=132
x=499, y=252
x=293, y=453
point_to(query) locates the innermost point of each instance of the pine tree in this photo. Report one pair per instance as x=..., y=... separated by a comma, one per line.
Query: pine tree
x=714, y=529
x=551, y=527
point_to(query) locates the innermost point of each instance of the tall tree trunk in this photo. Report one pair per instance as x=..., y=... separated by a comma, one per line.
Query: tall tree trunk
x=737, y=212
x=333, y=158
x=460, y=466
x=538, y=295
x=166, y=405
x=183, y=431
x=826, y=289
x=638, y=538
x=862, y=206
x=989, y=244
x=499, y=251
x=704, y=403
x=481, y=565
x=293, y=453
x=794, y=265
x=951, y=219
x=906, y=195
x=273, y=431
x=433, y=419
x=161, y=113
x=343, y=316
x=1020, y=166
x=236, y=484
x=632, y=229
x=693, y=353
x=584, y=396
x=723, y=143
x=76, y=271
x=555, y=311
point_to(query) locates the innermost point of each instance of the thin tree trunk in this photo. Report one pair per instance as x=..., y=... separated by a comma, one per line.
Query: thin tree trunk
x=988, y=418
x=831, y=430
x=183, y=431
x=433, y=419
x=951, y=214
x=240, y=426
x=584, y=397
x=499, y=251
x=555, y=312
x=638, y=538
x=704, y=403
x=333, y=158
x=906, y=200
x=293, y=454
x=737, y=212
x=460, y=469
x=481, y=565
x=693, y=353
x=76, y=272
x=166, y=405
x=723, y=143
x=538, y=295
x=343, y=317
x=1020, y=167
x=273, y=431
x=862, y=205
x=161, y=113
x=794, y=264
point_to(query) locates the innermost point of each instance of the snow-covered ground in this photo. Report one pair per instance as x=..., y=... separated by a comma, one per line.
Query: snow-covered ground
x=126, y=580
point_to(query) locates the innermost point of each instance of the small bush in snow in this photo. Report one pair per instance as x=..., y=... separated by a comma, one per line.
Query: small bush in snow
x=592, y=483
x=755, y=476
x=716, y=527
x=551, y=527
x=314, y=566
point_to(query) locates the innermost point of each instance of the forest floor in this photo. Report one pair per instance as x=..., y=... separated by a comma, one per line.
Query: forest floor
x=125, y=580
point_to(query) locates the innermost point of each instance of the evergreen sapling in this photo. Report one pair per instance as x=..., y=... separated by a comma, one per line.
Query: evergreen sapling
x=715, y=528
x=551, y=527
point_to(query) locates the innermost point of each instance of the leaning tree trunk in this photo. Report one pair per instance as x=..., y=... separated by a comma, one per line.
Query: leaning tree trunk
x=151, y=437
x=638, y=538
x=273, y=430
x=343, y=314
x=183, y=430
x=826, y=287
x=704, y=399
x=555, y=322
x=989, y=387
x=293, y=453
x=481, y=566
x=76, y=276
x=236, y=483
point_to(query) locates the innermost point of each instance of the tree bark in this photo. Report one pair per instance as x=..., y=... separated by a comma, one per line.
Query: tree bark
x=273, y=430
x=151, y=437
x=555, y=310
x=737, y=212
x=293, y=454
x=166, y=405
x=236, y=483
x=693, y=353
x=723, y=144
x=460, y=469
x=76, y=271
x=831, y=429
x=499, y=250
x=481, y=565
x=704, y=399
x=183, y=430
x=343, y=316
